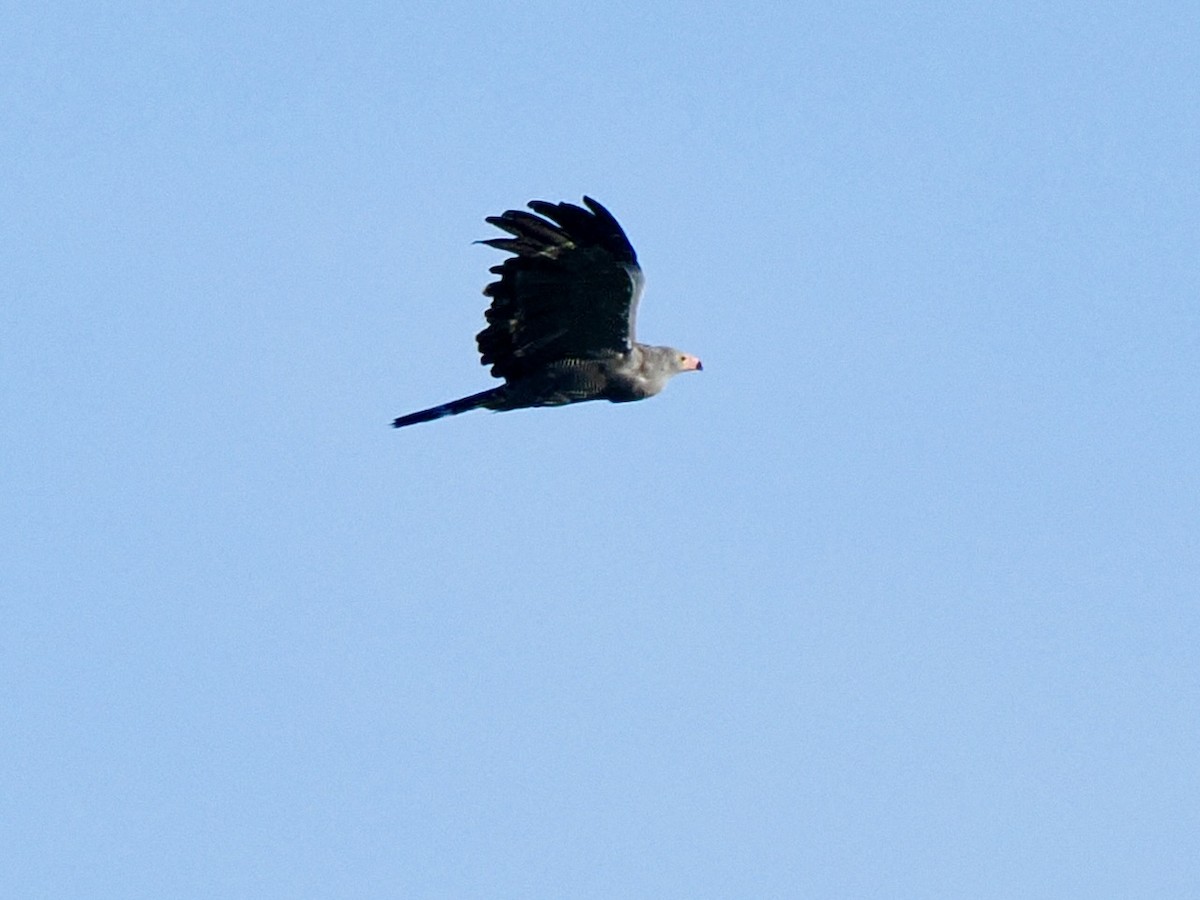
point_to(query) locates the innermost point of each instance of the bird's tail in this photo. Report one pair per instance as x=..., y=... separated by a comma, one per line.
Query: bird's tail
x=453, y=408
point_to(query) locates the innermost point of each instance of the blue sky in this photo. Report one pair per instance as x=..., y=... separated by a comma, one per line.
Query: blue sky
x=898, y=598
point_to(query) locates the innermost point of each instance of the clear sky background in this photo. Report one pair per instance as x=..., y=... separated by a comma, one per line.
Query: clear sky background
x=899, y=598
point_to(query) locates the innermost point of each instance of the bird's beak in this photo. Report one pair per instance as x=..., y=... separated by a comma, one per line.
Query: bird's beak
x=692, y=363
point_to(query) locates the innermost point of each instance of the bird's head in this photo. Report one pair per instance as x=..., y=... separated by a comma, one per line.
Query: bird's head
x=657, y=365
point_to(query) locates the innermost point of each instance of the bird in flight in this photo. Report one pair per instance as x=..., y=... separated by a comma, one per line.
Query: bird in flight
x=561, y=323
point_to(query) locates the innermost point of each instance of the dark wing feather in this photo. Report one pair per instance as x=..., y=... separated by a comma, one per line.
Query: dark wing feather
x=570, y=290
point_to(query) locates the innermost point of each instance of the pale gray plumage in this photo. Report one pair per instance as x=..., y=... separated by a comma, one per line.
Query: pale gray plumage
x=561, y=323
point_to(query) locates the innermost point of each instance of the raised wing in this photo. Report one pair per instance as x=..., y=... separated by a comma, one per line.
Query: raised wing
x=569, y=292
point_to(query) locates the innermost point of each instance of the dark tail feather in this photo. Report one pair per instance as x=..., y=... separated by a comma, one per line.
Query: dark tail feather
x=453, y=408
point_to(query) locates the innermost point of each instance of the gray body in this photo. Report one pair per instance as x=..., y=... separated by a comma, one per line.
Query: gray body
x=640, y=373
